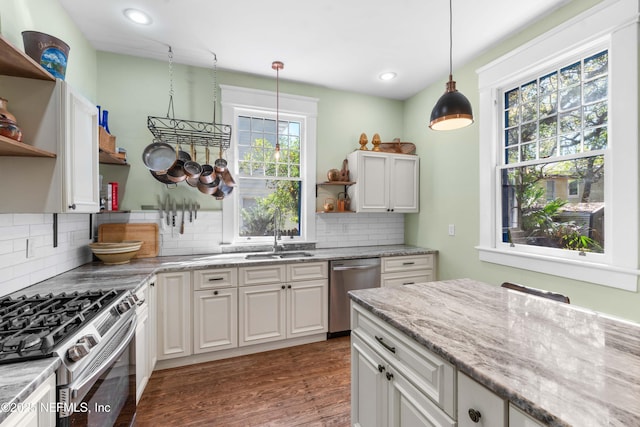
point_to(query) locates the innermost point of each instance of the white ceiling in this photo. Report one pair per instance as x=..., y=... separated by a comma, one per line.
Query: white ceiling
x=340, y=44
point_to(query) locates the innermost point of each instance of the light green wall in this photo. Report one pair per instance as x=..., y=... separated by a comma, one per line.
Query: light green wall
x=449, y=189
x=49, y=17
x=133, y=88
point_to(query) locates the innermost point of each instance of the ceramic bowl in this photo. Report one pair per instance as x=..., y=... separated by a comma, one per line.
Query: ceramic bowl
x=116, y=253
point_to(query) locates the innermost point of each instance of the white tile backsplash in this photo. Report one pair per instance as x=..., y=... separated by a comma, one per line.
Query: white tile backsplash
x=201, y=236
x=17, y=271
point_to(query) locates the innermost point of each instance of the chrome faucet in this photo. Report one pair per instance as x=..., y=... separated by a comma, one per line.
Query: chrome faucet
x=276, y=246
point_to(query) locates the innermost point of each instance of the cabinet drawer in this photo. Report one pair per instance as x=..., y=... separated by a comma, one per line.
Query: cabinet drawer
x=400, y=279
x=215, y=278
x=489, y=408
x=431, y=374
x=262, y=275
x=407, y=263
x=307, y=271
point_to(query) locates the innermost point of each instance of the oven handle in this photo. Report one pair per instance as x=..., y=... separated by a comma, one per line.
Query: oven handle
x=83, y=385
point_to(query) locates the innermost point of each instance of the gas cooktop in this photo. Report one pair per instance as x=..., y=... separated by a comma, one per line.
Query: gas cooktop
x=32, y=327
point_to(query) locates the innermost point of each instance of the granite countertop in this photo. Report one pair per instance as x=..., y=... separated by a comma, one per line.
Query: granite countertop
x=19, y=380
x=562, y=364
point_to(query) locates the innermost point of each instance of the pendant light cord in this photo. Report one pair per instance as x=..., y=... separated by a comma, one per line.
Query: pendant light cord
x=450, y=39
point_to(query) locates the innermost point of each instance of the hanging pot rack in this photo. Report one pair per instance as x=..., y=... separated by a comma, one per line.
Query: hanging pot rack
x=187, y=132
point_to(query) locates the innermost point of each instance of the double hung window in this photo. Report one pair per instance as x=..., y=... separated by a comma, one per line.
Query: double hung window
x=559, y=161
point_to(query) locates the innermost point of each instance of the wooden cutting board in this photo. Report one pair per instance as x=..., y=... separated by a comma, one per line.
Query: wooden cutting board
x=147, y=232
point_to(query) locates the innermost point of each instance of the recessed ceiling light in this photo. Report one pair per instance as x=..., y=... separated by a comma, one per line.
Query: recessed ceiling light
x=387, y=76
x=137, y=16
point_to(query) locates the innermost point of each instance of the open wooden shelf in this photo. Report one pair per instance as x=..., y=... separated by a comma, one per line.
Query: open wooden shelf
x=112, y=158
x=14, y=62
x=10, y=147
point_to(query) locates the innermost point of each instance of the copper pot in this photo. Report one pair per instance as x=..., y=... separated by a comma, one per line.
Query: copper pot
x=176, y=172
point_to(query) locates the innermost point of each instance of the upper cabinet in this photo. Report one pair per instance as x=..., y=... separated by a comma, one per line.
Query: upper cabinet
x=55, y=167
x=385, y=182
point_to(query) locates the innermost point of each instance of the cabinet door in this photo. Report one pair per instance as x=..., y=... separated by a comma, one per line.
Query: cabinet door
x=404, y=178
x=307, y=308
x=215, y=320
x=408, y=407
x=174, y=315
x=488, y=409
x=81, y=188
x=152, y=350
x=372, y=183
x=368, y=386
x=262, y=314
x=142, y=337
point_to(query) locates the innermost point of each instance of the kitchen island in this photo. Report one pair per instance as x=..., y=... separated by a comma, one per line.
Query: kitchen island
x=563, y=365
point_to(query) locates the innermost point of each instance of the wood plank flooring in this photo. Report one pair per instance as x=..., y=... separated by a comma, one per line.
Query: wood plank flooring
x=307, y=385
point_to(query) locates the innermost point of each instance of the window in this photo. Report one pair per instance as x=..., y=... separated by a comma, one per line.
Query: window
x=267, y=188
x=555, y=129
x=559, y=151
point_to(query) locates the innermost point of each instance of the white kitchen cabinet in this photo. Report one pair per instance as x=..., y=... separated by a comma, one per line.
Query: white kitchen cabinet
x=478, y=406
x=56, y=119
x=38, y=410
x=215, y=309
x=262, y=315
x=145, y=336
x=384, y=182
x=215, y=319
x=174, y=334
x=282, y=302
x=383, y=395
x=517, y=418
x=406, y=270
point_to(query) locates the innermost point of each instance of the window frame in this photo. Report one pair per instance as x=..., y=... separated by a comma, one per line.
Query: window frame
x=238, y=101
x=611, y=25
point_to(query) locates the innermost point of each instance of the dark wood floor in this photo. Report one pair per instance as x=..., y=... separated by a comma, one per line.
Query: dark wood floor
x=307, y=385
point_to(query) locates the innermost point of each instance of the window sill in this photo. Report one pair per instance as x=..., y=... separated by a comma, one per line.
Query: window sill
x=592, y=272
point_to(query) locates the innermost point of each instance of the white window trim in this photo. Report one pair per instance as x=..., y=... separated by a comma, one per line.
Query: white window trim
x=235, y=99
x=614, y=25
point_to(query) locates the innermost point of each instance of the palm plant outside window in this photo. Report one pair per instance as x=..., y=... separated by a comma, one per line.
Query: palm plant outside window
x=555, y=138
x=267, y=185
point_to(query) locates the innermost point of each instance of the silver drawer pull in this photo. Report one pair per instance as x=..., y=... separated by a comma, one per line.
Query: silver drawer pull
x=408, y=263
x=408, y=283
x=385, y=345
x=213, y=279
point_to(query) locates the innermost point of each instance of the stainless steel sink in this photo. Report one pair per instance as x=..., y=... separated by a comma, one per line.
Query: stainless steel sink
x=278, y=255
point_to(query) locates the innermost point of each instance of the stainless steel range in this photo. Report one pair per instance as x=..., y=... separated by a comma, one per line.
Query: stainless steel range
x=92, y=333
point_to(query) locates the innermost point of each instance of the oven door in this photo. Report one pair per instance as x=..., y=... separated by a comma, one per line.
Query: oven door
x=105, y=395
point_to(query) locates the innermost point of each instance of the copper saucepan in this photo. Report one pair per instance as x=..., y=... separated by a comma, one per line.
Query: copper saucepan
x=207, y=175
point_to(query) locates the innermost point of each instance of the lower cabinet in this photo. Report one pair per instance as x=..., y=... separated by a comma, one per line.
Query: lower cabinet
x=407, y=270
x=478, y=406
x=38, y=408
x=383, y=396
x=271, y=309
x=397, y=382
x=174, y=315
x=215, y=319
x=145, y=336
x=394, y=382
x=225, y=308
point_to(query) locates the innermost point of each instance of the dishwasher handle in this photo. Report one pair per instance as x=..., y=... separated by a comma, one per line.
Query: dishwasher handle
x=353, y=267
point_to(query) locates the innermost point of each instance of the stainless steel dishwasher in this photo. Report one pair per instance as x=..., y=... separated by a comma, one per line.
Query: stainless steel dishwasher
x=348, y=275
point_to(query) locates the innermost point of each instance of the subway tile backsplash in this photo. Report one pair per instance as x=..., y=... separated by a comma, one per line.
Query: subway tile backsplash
x=33, y=234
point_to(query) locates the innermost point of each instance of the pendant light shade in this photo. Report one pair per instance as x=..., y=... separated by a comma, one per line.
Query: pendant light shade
x=453, y=109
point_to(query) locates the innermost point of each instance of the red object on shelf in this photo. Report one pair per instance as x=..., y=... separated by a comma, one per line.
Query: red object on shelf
x=114, y=196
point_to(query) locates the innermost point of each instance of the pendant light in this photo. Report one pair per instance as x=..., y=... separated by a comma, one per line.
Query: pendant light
x=453, y=109
x=277, y=65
